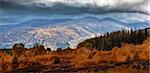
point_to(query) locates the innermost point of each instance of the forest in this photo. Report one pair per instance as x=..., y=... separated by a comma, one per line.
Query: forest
x=116, y=39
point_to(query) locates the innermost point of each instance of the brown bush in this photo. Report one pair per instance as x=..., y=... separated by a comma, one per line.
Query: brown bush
x=80, y=57
x=18, y=49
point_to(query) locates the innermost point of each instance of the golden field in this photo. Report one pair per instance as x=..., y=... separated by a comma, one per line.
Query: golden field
x=127, y=59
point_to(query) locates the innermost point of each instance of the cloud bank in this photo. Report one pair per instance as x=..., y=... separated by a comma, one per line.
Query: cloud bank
x=84, y=6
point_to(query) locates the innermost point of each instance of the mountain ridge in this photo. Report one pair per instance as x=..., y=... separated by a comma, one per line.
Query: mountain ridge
x=69, y=32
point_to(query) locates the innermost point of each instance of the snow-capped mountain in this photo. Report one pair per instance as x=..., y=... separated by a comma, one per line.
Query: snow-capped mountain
x=66, y=33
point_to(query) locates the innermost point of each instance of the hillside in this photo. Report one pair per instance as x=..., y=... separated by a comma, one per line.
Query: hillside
x=60, y=33
x=116, y=39
x=129, y=58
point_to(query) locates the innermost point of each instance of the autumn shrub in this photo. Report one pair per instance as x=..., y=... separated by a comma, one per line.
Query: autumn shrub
x=6, y=58
x=77, y=58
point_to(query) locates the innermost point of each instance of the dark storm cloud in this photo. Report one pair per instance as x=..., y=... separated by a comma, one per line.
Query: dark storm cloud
x=79, y=6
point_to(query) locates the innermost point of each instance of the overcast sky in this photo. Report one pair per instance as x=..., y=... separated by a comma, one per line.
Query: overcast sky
x=124, y=10
x=87, y=6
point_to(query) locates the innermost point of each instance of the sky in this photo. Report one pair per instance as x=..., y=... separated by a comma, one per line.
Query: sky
x=18, y=11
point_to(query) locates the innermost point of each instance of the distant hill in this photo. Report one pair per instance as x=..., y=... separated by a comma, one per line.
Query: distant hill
x=61, y=33
x=32, y=23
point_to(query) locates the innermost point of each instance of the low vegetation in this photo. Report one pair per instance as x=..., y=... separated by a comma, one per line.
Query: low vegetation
x=129, y=58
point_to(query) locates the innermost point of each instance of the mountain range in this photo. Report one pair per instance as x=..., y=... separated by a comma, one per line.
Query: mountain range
x=61, y=33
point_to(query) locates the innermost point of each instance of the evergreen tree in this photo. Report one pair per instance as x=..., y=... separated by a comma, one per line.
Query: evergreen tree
x=110, y=40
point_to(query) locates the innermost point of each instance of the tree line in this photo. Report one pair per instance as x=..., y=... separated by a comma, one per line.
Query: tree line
x=115, y=39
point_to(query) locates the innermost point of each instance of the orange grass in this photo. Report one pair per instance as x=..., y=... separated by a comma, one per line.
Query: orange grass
x=81, y=57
